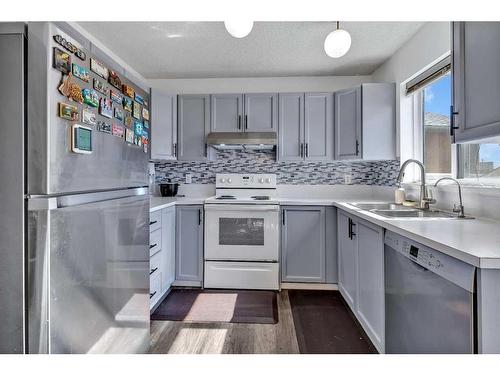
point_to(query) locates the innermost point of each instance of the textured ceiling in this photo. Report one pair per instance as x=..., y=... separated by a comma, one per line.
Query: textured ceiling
x=206, y=50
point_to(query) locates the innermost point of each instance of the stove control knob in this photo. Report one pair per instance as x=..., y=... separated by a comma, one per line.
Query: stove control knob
x=268, y=180
x=222, y=180
x=229, y=180
x=261, y=180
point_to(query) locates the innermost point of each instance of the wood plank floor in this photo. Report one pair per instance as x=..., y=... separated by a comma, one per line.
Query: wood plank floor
x=323, y=325
x=170, y=337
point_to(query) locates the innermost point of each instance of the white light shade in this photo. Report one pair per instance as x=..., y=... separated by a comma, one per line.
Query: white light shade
x=239, y=28
x=337, y=43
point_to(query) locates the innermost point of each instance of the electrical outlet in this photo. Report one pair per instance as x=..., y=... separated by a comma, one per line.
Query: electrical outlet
x=188, y=178
x=347, y=179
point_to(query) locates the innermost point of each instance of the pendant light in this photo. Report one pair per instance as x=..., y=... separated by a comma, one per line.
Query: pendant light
x=238, y=28
x=338, y=42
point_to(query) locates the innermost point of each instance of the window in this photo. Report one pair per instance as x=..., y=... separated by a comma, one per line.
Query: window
x=436, y=126
x=480, y=162
x=431, y=95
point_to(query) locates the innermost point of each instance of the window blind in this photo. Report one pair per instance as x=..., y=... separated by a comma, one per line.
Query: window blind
x=430, y=75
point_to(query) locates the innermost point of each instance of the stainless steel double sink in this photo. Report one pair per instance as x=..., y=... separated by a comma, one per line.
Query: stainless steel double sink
x=392, y=210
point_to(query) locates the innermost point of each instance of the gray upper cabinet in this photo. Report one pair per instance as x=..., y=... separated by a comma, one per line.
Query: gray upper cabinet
x=365, y=122
x=193, y=127
x=163, y=125
x=348, y=123
x=226, y=112
x=189, y=245
x=291, y=127
x=244, y=112
x=476, y=82
x=303, y=244
x=305, y=126
x=318, y=126
x=261, y=112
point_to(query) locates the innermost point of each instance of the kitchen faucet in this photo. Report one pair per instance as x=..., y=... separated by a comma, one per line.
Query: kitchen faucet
x=424, y=199
x=460, y=209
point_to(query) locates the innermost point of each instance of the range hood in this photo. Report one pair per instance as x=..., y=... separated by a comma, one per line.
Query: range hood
x=242, y=141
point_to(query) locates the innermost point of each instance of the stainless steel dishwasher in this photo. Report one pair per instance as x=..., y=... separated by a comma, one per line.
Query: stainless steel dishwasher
x=429, y=299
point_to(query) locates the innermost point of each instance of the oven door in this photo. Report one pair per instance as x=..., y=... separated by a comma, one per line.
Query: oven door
x=241, y=232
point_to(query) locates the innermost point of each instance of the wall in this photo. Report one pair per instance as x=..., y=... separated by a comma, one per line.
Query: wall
x=430, y=44
x=379, y=173
x=259, y=84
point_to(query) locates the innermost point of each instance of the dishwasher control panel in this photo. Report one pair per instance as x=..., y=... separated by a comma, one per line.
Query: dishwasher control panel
x=455, y=270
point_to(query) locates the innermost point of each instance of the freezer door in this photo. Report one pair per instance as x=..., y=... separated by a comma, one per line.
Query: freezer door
x=52, y=166
x=88, y=280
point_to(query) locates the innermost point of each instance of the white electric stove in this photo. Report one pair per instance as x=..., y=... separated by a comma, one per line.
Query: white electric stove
x=242, y=233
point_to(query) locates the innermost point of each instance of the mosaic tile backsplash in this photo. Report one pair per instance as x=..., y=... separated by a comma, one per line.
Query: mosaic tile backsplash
x=380, y=173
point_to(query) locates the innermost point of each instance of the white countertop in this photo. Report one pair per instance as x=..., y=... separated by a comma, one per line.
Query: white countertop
x=159, y=203
x=476, y=241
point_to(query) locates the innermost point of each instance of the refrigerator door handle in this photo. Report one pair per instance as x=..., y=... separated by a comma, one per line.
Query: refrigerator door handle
x=41, y=202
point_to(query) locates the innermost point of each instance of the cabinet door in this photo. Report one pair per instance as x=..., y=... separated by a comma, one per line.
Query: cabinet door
x=348, y=124
x=291, y=126
x=318, y=126
x=476, y=80
x=303, y=244
x=163, y=125
x=194, y=125
x=261, y=112
x=168, y=247
x=370, y=301
x=226, y=112
x=189, y=244
x=347, y=258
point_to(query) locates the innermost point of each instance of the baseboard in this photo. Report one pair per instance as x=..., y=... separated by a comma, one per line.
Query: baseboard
x=187, y=283
x=309, y=286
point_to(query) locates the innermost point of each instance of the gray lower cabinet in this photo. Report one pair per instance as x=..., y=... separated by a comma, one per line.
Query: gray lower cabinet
x=365, y=122
x=193, y=126
x=189, y=245
x=347, y=257
x=168, y=245
x=308, y=248
x=476, y=82
x=305, y=126
x=163, y=125
x=361, y=273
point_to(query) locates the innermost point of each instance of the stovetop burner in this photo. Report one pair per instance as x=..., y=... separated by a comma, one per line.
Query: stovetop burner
x=224, y=197
x=260, y=197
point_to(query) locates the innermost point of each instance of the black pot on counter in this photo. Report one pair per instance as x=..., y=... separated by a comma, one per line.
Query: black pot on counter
x=169, y=189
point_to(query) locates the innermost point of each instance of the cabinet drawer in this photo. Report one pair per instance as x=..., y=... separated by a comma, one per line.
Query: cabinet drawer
x=154, y=288
x=154, y=220
x=154, y=242
x=155, y=264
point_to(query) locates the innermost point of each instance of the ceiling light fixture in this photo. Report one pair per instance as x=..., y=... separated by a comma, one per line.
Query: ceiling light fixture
x=239, y=28
x=338, y=42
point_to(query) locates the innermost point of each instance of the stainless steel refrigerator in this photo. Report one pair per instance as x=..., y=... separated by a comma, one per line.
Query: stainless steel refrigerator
x=75, y=226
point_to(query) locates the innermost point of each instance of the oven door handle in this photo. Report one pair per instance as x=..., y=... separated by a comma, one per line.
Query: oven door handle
x=240, y=207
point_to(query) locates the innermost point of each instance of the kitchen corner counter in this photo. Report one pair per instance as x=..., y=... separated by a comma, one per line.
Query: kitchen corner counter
x=159, y=203
x=475, y=241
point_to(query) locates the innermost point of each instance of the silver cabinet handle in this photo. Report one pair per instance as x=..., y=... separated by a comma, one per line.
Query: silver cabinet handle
x=151, y=246
x=246, y=122
x=307, y=150
x=239, y=122
x=357, y=147
x=151, y=295
x=301, y=150
x=153, y=270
